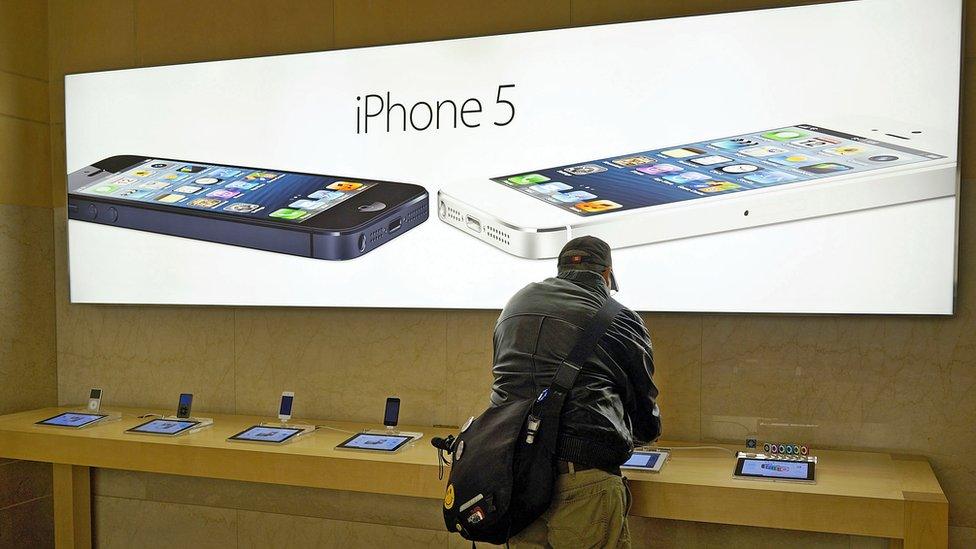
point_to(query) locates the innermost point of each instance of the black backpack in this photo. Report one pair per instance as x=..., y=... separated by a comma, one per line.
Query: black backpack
x=504, y=462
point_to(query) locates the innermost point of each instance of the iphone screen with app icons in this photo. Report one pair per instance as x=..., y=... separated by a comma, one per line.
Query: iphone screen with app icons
x=709, y=168
x=245, y=192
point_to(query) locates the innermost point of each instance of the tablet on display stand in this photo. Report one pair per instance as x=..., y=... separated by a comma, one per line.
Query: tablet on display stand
x=646, y=460
x=270, y=434
x=750, y=466
x=375, y=442
x=73, y=420
x=170, y=427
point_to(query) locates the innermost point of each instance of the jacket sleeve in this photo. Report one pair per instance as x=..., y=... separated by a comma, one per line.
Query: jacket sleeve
x=645, y=416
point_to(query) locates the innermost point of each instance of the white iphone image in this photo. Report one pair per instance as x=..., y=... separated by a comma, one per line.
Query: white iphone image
x=714, y=185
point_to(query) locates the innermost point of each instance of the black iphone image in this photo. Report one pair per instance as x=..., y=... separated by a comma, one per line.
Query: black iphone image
x=311, y=215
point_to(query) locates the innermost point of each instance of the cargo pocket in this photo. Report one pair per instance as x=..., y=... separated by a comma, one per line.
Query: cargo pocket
x=580, y=516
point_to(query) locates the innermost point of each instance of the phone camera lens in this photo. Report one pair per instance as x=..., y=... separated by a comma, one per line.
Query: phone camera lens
x=745, y=212
x=362, y=242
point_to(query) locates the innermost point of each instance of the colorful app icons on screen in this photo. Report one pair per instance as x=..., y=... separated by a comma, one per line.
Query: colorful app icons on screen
x=597, y=206
x=845, y=150
x=549, y=188
x=242, y=207
x=712, y=187
x=770, y=177
x=688, y=177
x=170, y=198
x=223, y=193
x=633, y=161
x=154, y=185
x=793, y=159
x=816, y=142
x=735, y=143
x=786, y=134
x=527, y=179
x=344, y=186
x=226, y=173
x=761, y=152
x=736, y=169
x=143, y=173
x=710, y=160
x=573, y=197
x=288, y=213
x=325, y=195
x=174, y=176
x=187, y=189
x=205, y=202
x=105, y=189
x=136, y=193
x=207, y=180
x=262, y=176
x=883, y=158
x=585, y=169
x=682, y=152
x=189, y=168
x=246, y=185
x=308, y=204
x=825, y=167
x=659, y=169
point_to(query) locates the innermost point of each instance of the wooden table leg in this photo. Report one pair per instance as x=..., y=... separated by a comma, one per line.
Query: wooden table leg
x=72, y=507
x=926, y=520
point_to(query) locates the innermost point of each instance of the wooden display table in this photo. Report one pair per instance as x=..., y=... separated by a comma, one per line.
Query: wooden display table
x=869, y=494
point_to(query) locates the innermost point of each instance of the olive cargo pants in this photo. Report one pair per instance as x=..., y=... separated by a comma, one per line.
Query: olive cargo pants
x=589, y=509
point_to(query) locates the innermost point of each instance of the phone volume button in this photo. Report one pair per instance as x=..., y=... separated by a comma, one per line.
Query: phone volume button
x=92, y=211
x=113, y=215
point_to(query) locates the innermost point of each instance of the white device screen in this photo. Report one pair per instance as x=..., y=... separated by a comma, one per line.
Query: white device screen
x=382, y=443
x=797, y=470
x=164, y=426
x=643, y=460
x=70, y=419
x=266, y=434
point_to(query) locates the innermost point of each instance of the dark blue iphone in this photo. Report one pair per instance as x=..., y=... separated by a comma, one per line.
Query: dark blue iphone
x=319, y=216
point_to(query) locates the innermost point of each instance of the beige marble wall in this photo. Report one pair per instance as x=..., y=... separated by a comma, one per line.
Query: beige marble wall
x=861, y=382
x=28, y=367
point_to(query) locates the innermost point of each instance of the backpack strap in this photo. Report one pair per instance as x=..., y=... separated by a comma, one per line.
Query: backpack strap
x=554, y=396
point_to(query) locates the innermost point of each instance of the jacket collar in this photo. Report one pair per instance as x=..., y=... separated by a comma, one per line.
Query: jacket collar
x=591, y=279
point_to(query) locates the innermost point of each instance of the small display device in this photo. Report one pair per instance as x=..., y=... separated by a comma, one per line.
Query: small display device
x=375, y=442
x=284, y=409
x=783, y=468
x=273, y=435
x=166, y=427
x=185, y=405
x=646, y=460
x=392, y=414
x=72, y=419
x=94, y=399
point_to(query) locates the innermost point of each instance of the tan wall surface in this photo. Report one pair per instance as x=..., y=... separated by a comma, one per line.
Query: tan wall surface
x=28, y=368
x=865, y=382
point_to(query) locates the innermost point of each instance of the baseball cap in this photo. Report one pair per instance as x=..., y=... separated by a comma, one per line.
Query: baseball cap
x=587, y=253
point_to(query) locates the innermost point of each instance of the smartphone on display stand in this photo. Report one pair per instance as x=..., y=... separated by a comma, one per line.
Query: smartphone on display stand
x=708, y=186
x=94, y=399
x=310, y=215
x=185, y=406
x=284, y=408
x=391, y=415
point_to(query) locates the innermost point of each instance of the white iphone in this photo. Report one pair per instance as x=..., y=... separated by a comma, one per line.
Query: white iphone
x=284, y=408
x=713, y=185
x=94, y=399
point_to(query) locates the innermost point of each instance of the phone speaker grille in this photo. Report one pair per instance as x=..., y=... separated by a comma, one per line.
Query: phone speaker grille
x=376, y=234
x=416, y=214
x=496, y=234
x=455, y=215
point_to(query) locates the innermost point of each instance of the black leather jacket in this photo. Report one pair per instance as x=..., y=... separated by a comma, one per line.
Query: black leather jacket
x=612, y=406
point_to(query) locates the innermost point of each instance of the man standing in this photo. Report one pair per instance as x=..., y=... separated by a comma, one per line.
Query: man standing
x=610, y=409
